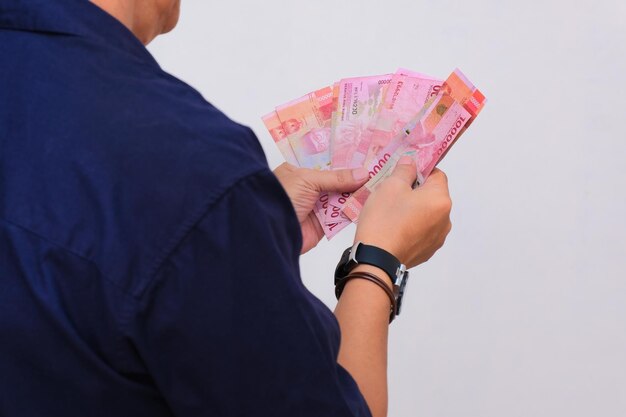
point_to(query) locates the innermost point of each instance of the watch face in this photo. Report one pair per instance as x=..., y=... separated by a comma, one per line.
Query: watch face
x=344, y=266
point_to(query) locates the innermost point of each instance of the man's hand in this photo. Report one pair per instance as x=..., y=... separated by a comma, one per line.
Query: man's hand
x=303, y=186
x=410, y=224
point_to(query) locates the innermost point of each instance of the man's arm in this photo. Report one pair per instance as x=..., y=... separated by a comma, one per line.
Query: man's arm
x=363, y=316
x=412, y=225
x=227, y=327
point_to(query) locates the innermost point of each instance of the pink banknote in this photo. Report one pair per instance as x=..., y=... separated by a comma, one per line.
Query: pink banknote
x=426, y=138
x=275, y=127
x=373, y=122
x=340, y=222
x=306, y=122
x=406, y=95
x=358, y=104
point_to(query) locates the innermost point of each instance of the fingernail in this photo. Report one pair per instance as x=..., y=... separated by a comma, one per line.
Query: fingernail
x=359, y=174
x=405, y=160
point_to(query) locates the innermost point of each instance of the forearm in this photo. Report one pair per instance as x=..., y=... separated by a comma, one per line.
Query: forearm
x=363, y=315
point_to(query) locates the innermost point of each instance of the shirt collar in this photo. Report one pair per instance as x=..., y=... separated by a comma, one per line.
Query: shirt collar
x=71, y=17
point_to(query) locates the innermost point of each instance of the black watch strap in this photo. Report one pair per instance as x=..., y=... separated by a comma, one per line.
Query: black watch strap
x=361, y=253
x=372, y=255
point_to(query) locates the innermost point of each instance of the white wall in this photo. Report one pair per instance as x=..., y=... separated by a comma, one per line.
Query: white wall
x=523, y=312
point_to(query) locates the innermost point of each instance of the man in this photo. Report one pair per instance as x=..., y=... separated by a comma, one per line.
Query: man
x=149, y=257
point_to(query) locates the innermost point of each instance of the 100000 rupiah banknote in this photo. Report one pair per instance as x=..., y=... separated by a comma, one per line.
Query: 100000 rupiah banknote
x=372, y=122
x=427, y=138
x=358, y=103
x=406, y=95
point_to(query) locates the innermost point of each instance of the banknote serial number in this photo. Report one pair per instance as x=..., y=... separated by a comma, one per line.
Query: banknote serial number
x=396, y=93
x=355, y=101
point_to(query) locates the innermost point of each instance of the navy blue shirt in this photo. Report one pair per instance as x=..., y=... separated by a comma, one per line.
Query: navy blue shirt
x=148, y=256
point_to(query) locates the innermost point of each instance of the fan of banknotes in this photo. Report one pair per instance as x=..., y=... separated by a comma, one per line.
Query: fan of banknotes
x=372, y=122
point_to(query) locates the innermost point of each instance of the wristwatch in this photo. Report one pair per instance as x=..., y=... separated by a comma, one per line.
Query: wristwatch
x=361, y=253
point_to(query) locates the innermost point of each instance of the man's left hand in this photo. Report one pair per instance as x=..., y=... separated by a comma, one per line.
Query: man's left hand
x=303, y=186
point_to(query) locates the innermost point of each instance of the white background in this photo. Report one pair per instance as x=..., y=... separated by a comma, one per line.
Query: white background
x=523, y=311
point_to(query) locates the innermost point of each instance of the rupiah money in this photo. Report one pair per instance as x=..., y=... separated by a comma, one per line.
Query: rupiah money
x=426, y=138
x=275, y=127
x=405, y=96
x=373, y=122
x=306, y=122
x=358, y=104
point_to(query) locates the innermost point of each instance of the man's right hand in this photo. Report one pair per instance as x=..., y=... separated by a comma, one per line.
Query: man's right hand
x=409, y=223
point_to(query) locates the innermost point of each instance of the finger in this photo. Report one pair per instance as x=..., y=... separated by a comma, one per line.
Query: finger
x=312, y=233
x=283, y=170
x=437, y=178
x=340, y=180
x=284, y=167
x=405, y=171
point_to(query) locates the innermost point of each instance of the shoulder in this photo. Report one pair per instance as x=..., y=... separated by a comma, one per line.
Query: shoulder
x=174, y=156
x=114, y=157
x=169, y=126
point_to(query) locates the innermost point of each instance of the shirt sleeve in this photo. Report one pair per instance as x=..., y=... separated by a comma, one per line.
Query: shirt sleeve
x=228, y=328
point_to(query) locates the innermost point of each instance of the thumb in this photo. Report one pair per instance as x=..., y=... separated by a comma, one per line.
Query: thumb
x=340, y=180
x=405, y=170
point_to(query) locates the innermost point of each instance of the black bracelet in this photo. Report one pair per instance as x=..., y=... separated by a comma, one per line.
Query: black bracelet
x=374, y=279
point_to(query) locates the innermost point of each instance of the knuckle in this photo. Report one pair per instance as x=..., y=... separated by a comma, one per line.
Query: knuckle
x=443, y=205
x=439, y=175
